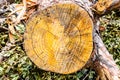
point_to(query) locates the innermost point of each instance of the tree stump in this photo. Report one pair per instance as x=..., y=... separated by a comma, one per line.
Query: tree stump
x=59, y=38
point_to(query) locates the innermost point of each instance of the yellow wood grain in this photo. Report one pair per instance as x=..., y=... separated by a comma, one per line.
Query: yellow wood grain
x=59, y=38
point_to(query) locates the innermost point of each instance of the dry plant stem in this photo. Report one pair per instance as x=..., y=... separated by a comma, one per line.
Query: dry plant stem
x=115, y=5
x=22, y=12
x=14, y=12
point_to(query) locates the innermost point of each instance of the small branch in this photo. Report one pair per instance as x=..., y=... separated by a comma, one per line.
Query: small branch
x=105, y=60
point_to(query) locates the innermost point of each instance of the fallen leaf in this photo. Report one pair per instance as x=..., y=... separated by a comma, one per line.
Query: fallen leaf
x=101, y=28
x=11, y=38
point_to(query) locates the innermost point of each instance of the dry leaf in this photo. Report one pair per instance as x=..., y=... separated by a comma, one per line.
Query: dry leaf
x=11, y=38
x=101, y=28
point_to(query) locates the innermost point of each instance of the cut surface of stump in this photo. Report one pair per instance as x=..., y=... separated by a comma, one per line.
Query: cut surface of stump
x=59, y=38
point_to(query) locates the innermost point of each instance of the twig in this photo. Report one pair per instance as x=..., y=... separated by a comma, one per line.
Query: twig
x=22, y=12
x=85, y=77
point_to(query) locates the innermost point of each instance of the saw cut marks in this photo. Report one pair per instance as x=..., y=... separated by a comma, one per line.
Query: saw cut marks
x=59, y=38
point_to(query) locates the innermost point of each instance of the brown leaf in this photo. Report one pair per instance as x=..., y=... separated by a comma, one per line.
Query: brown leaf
x=11, y=33
x=11, y=38
x=101, y=28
